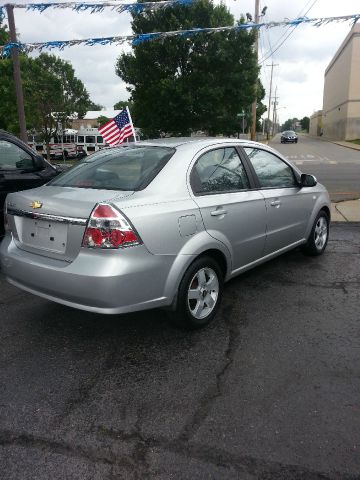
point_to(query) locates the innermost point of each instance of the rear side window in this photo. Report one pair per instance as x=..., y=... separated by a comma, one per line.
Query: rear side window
x=13, y=157
x=271, y=171
x=125, y=168
x=219, y=171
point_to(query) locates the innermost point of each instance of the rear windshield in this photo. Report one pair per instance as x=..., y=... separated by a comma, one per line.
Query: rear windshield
x=124, y=168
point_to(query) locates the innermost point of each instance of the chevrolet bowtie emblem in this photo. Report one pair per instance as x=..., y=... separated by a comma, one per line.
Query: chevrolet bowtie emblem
x=35, y=204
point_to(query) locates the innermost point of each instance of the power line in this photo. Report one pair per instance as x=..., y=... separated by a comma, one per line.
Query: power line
x=290, y=33
x=289, y=28
x=271, y=51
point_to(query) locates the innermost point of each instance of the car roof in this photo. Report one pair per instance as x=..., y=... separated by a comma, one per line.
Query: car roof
x=175, y=142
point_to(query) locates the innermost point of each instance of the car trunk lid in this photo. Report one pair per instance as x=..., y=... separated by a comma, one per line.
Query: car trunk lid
x=51, y=221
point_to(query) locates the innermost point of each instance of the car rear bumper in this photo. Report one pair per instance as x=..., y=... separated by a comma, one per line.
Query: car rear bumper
x=109, y=282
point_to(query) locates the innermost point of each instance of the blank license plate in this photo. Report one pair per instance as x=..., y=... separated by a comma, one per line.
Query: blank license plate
x=45, y=235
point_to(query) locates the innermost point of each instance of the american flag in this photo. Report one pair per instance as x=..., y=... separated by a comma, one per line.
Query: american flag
x=116, y=130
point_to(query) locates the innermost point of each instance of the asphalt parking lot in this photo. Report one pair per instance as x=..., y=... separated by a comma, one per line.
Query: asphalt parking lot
x=271, y=390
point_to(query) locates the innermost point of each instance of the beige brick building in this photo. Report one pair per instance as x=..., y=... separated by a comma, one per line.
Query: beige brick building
x=90, y=119
x=316, y=123
x=341, y=106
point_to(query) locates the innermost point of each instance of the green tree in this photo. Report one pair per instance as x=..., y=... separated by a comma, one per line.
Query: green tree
x=305, y=123
x=52, y=94
x=289, y=124
x=102, y=119
x=56, y=94
x=121, y=104
x=181, y=85
x=8, y=112
x=94, y=106
x=4, y=35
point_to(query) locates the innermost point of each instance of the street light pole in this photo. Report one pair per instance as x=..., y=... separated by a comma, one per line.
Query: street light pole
x=17, y=74
x=256, y=48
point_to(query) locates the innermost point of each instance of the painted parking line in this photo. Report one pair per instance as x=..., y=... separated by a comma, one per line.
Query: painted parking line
x=308, y=158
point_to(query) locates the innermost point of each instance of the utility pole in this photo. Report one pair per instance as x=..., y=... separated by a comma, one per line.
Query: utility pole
x=17, y=74
x=256, y=48
x=274, y=113
x=269, y=107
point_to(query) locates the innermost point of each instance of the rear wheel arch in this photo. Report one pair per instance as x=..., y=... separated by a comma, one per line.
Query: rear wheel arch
x=183, y=262
x=219, y=257
x=199, y=293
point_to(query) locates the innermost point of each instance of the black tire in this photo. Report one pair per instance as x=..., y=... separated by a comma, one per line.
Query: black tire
x=184, y=315
x=319, y=235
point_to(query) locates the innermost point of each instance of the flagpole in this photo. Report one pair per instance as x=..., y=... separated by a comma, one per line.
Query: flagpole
x=132, y=125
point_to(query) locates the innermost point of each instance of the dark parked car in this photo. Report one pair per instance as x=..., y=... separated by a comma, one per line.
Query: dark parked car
x=21, y=168
x=289, y=137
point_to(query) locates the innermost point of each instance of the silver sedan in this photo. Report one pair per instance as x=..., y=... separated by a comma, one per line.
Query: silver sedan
x=161, y=224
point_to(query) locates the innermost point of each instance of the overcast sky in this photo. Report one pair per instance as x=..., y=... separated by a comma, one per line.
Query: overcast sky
x=301, y=60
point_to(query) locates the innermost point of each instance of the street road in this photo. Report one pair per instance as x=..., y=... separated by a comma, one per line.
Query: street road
x=270, y=391
x=336, y=167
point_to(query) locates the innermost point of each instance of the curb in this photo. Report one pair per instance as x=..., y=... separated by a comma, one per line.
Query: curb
x=352, y=147
x=345, y=144
x=350, y=211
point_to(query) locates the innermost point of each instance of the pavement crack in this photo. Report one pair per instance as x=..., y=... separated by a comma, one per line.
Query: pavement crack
x=262, y=469
x=259, y=468
x=331, y=285
x=85, y=389
x=140, y=452
x=216, y=389
x=93, y=455
x=141, y=445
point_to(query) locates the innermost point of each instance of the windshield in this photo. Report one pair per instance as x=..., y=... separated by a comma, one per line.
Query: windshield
x=289, y=132
x=124, y=168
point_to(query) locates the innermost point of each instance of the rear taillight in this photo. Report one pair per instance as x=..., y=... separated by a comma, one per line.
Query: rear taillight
x=108, y=228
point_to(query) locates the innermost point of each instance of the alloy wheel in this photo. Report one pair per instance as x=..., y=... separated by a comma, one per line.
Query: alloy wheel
x=203, y=293
x=321, y=233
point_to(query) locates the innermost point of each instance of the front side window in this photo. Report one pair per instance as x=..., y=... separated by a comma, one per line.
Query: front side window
x=122, y=168
x=13, y=157
x=100, y=139
x=219, y=170
x=80, y=139
x=271, y=171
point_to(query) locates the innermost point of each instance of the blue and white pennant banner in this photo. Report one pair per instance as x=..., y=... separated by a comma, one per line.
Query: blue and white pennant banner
x=146, y=37
x=96, y=7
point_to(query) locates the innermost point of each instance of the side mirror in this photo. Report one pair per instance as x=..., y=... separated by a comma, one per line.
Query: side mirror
x=307, y=180
x=38, y=163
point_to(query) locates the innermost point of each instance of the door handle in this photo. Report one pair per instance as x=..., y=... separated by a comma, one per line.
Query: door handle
x=275, y=203
x=218, y=212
